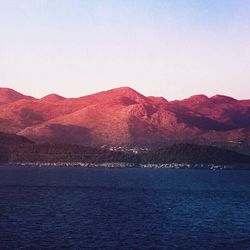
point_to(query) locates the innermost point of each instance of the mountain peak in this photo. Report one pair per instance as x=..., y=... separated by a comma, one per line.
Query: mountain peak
x=9, y=95
x=222, y=98
x=125, y=92
x=52, y=98
x=195, y=99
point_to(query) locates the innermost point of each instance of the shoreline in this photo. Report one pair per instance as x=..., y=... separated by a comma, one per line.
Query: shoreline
x=121, y=165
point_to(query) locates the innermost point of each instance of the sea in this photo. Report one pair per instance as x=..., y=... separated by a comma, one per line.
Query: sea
x=128, y=208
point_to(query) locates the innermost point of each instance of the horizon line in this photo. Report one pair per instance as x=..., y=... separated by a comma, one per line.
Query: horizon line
x=123, y=87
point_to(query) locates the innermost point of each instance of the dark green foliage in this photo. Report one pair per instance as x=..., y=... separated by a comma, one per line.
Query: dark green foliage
x=15, y=148
x=4, y=155
x=190, y=153
x=54, y=153
x=11, y=139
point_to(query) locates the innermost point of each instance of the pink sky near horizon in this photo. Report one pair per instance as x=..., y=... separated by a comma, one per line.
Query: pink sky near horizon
x=173, y=49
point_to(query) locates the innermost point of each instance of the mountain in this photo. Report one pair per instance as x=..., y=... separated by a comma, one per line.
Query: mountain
x=52, y=98
x=122, y=116
x=8, y=95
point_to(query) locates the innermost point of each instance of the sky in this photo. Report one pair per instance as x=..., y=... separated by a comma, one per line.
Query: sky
x=170, y=48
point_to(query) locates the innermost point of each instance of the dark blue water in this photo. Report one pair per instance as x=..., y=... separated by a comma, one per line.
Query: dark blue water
x=60, y=208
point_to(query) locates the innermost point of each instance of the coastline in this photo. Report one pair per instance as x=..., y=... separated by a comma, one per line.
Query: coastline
x=207, y=166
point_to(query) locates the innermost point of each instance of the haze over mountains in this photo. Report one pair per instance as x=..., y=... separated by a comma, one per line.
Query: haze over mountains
x=123, y=116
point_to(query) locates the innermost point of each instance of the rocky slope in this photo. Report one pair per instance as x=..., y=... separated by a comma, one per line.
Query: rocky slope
x=123, y=116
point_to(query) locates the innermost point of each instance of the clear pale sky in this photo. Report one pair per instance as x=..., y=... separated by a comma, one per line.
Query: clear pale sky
x=169, y=48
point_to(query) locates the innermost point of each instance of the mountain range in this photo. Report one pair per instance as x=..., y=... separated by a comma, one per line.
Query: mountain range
x=122, y=116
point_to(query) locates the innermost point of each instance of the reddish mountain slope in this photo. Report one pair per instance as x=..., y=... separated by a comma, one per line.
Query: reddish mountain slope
x=124, y=116
x=52, y=98
x=9, y=95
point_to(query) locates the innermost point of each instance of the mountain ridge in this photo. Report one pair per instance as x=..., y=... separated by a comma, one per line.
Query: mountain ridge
x=123, y=116
x=124, y=89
